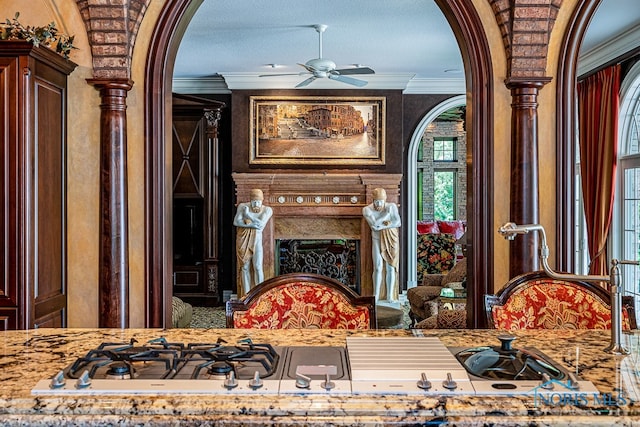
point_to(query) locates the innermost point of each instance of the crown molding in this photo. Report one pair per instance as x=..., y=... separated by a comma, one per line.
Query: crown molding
x=227, y=82
x=453, y=86
x=608, y=51
x=200, y=85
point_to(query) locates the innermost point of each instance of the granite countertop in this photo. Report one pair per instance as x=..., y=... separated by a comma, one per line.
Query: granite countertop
x=29, y=356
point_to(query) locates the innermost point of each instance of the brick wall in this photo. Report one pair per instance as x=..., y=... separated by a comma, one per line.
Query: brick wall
x=427, y=166
x=112, y=27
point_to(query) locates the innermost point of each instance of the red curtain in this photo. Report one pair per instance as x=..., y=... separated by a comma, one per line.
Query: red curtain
x=598, y=103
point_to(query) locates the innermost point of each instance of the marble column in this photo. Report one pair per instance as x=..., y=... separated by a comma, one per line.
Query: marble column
x=114, y=249
x=525, y=205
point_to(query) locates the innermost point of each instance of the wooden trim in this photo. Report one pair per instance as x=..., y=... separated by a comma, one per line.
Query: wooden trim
x=467, y=27
x=566, y=133
x=162, y=54
x=258, y=291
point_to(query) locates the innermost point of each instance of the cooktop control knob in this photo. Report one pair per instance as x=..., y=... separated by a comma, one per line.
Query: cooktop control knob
x=573, y=383
x=84, y=381
x=58, y=381
x=327, y=384
x=545, y=382
x=256, y=382
x=230, y=381
x=302, y=381
x=449, y=383
x=424, y=383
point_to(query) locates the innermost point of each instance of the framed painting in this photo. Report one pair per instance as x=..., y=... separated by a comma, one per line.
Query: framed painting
x=317, y=130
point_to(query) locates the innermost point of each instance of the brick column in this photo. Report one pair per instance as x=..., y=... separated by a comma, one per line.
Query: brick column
x=114, y=249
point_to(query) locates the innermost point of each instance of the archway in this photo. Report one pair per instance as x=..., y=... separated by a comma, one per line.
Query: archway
x=172, y=22
x=411, y=177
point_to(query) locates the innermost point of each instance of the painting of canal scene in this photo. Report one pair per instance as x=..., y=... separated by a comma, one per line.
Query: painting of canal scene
x=317, y=130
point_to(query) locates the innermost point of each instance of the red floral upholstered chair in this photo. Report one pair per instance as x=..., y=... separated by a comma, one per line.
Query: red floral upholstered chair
x=536, y=301
x=302, y=300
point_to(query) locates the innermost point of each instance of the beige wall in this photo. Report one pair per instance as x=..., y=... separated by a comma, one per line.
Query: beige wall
x=83, y=153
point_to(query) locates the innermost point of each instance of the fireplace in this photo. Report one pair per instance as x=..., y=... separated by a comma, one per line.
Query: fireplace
x=314, y=207
x=335, y=258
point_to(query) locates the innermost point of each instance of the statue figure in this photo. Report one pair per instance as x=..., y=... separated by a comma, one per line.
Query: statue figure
x=250, y=220
x=384, y=220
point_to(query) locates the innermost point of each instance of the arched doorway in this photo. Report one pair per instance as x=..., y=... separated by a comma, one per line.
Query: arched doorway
x=411, y=177
x=172, y=22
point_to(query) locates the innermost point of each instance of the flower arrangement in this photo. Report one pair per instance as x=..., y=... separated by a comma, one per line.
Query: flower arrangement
x=47, y=36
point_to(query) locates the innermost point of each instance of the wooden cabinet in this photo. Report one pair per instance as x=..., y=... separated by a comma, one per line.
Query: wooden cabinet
x=33, y=95
x=196, y=189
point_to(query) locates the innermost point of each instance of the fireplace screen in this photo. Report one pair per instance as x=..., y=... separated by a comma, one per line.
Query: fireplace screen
x=338, y=259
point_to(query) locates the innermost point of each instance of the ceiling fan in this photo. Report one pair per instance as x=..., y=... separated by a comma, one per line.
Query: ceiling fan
x=325, y=68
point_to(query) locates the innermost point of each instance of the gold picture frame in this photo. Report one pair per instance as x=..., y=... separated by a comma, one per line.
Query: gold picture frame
x=329, y=130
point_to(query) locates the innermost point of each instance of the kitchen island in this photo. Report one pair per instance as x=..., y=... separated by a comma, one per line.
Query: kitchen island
x=33, y=355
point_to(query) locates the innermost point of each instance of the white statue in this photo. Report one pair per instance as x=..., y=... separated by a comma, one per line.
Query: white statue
x=250, y=220
x=384, y=220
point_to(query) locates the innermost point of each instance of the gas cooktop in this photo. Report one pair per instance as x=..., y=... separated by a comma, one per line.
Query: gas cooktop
x=366, y=365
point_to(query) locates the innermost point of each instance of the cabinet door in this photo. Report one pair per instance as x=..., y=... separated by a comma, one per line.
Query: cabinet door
x=32, y=179
x=8, y=319
x=9, y=123
x=188, y=173
x=49, y=293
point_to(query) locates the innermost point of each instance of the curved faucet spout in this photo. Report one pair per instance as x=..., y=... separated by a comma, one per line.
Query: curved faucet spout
x=509, y=231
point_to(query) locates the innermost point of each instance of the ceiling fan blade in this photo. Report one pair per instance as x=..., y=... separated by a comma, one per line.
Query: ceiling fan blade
x=306, y=82
x=358, y=70
x=306, y=67
x=348, y=80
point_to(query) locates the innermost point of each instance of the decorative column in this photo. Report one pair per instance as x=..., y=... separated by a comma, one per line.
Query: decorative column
x=114, y=249
x=212, y=258
x=525, y=206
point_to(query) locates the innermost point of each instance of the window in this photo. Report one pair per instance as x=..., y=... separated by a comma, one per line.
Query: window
x=625, y=235
x=581, y=258
x=444, y=194
x=444, y=149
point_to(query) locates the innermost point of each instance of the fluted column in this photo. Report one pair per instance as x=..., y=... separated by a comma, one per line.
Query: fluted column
x=525, y=204
x=114, y=250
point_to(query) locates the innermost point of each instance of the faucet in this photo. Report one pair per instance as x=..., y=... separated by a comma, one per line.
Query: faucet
x=510, y=230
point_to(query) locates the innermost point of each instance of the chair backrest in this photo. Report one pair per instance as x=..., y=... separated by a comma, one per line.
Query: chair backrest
x=302, y=300
x=536, y=301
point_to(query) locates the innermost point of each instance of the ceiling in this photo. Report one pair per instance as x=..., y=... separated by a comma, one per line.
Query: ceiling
x=408, y=43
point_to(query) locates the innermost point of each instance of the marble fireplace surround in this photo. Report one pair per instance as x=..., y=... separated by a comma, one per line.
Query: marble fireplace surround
x=317, y=206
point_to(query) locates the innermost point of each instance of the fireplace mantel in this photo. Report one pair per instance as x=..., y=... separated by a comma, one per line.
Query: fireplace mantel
x=318, y=206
